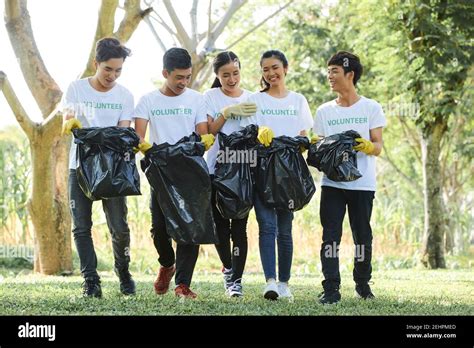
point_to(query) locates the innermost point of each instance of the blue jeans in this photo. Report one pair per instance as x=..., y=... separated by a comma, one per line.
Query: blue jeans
x=274, y=224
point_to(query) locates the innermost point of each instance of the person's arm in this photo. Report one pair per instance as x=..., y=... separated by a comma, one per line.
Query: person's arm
x=215, y=125
x=140, y=127
x=202, y=128
x=124, y=123
x=376, y=139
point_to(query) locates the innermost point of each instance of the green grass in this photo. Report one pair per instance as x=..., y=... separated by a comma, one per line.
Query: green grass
x=399, y=292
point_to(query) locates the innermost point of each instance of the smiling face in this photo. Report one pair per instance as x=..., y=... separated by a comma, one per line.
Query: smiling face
x=108, y=72
x=338, y=81
x=229, y=77
x=176, y=81
x=273, y=71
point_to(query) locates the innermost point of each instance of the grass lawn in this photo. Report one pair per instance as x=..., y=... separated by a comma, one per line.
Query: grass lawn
x=398, y=292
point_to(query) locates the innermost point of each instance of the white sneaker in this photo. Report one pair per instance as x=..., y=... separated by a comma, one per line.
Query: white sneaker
x=271, y=290
x=284, y=290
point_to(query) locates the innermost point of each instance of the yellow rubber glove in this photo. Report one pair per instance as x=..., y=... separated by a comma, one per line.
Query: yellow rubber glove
x=265, y=136
x=207, y=140
x=365, y=146
x=242, y=110
x=71, y=124
x=314, y=139
x=143, y=147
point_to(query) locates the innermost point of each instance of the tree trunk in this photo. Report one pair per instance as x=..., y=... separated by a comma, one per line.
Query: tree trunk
x=48, y=205
x=433, y=241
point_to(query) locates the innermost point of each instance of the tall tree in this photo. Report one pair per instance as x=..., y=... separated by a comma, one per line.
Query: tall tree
x=440, y=52
x=48, y=205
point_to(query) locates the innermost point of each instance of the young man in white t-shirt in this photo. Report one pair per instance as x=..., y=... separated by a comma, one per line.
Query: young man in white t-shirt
x=173, y=111
x=348, y=111
x=99, y=101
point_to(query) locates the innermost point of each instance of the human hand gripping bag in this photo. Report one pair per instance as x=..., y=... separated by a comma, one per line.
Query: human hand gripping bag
x=233, y=181
x=105, y=161
x=334, y=156
x=283, y=179
x=179, y=176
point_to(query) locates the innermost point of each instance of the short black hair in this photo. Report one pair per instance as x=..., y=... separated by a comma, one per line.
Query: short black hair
x=349, y=62
x=108, y=48
x=176, y=58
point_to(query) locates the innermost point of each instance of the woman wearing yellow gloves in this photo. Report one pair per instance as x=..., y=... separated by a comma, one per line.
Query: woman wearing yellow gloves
x=173, y=111
x=226, y=107
x=279, y=112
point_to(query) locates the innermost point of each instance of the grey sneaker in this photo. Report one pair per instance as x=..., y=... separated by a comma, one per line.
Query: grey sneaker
x=235, y=290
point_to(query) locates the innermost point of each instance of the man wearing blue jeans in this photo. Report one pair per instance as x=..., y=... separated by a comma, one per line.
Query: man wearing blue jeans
x=99, y=101
x=348, y=111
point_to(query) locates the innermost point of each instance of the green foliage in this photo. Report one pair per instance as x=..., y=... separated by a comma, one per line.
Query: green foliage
x=15, y=180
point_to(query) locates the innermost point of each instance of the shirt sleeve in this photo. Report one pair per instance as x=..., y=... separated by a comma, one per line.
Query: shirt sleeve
x=128, y=105
x=318, y=123
x=306, y=120
x=142, y=110
x=69, y=100
x=210, y=108
x=377, y=118
x=201, y=115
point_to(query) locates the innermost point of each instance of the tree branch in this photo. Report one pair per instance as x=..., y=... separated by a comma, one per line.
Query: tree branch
x=193, y=15
x=133, y=16
x=42, y=86
x=387, y=159
x=20, y=114
x=182, y=35
x=105, y=27
x=154, y=33
x=220, y=26
x=258, y=25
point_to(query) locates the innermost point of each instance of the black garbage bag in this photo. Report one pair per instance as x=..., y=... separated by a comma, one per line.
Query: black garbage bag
x=283, y=178
x=233, y=180
x=105, y=162
x=334, y=156
x=180, y=178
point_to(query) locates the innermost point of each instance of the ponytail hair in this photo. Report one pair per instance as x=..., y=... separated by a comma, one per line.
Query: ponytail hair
x=271, y=54
x=219, y=61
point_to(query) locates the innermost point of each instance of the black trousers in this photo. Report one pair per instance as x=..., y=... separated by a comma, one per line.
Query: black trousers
x=186, y=254
x=332, y=211
x=115, y=210
x=227, y=229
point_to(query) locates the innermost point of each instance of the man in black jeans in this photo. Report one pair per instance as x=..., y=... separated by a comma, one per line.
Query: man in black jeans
x=348, y=111
x=173, y=111
x=99, y=102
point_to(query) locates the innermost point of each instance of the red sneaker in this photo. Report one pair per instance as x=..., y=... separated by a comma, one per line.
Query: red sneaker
x=184, y=291
x=162, y=282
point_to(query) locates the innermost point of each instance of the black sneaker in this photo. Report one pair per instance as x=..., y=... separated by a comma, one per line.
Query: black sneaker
x=91, y=288
x=330, y=296
x=363, y=291
x=127, y=284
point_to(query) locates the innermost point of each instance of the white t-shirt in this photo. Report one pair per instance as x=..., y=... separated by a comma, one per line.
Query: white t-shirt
x=171, y=118
x=97, y=109
x=216, y=100
x=285, y=116
x=364, y=115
